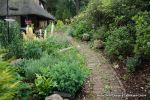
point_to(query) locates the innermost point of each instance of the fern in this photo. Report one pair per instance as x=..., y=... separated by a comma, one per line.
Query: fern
x=8, y=83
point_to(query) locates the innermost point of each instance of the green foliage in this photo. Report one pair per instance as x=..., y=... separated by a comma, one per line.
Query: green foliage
x=3, y=34
x=69, y=30
x=115, y=12
x=24, y=90
x=49, y=28
x=59, y=25
x=32, y=49
x=118, y=42
x=132, y=64
x=8, y=82
x=13, y=40
x=80, y=28
x=44, y=85
x=72, y=56
x=70, y=72
x=53, y=43
x=29, y=68
x=68, y=76
x=100, y=33
x=142, y=46
x=65, y=9
x=66, y=69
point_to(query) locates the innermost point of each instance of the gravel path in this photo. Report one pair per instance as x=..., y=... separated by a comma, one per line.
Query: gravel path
x=103, y=83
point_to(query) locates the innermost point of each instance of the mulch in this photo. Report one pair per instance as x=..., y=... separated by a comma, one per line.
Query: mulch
x=136, y=83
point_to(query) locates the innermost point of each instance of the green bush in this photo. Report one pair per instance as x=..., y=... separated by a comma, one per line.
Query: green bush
x=12, y=41
x=80, y=28
x=69, y=30
x=32, y=49
x=3, y=34
x=142, y=46
x=29, y=68
x=118, y=42
x=68, y=76
x=8, y=82
x=132, y=64
x=44, y=85
x=100, y=33
x=24, y=91
x=70, y=72
x=59, y=25
x=54, y=43
x=66, y=68
x=72, y=56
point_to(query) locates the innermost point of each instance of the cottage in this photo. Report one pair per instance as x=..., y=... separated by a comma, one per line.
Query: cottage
x=27, y=11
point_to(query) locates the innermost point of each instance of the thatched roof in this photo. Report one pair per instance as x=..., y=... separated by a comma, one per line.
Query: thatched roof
x=25, y=7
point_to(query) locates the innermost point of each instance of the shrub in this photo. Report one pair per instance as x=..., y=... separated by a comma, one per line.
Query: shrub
x=44, y=86
x=132, y=64
x=69, y=30
x=54, y=43
x=12, y=41
x=68, y=76
x=59, y=25
x=24, y=91
x=3, y=34
x=8, y=82
x=32, y=49
x=67, y=69
x=29, y=68
x=118, y=42
x=142, y=46
x=72, y=56
x=99, y=33
x=80, y=28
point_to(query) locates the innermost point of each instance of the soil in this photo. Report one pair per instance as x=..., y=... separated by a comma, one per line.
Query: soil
x=135, y=83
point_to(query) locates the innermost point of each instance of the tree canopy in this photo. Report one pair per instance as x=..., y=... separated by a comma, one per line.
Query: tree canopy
x=65, y=9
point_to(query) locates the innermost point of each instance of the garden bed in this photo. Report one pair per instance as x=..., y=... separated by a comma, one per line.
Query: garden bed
x=47, y=66
x=136, y=83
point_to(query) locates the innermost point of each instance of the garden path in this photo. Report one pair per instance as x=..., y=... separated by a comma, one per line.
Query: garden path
x=103, y=83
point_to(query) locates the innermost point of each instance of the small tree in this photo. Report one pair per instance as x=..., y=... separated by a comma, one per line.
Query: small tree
x=12, y=41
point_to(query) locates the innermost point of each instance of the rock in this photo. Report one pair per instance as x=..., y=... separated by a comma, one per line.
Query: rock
x=62, y=94
x=116, y=66
x=54, y=97
x=85, y=37
x=98, y=44
x=16, y=61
